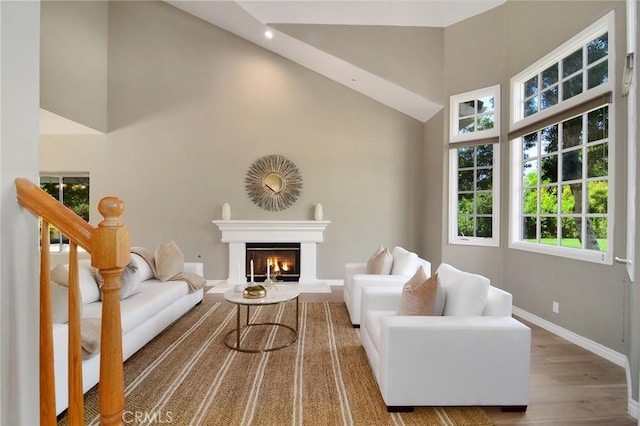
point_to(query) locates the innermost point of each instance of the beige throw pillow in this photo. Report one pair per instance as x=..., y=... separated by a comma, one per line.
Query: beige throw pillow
x=169, y=261
x=419, y=295
x=380, y=262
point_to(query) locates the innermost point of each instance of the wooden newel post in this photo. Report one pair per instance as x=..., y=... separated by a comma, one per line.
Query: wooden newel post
x=110, y=253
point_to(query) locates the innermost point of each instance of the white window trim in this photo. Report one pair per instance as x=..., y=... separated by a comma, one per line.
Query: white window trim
x=454, y=238
x=515, y=210
x=454, y=115
x=606, y=23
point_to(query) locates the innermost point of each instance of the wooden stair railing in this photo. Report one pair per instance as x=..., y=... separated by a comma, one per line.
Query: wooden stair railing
x=109, y=247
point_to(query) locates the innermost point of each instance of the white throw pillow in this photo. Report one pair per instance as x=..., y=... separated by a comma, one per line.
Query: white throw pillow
x=404, y=262
x=89, y=291
x=466, y=293
x=144, y=269
x=169, y=261
x=129, y=280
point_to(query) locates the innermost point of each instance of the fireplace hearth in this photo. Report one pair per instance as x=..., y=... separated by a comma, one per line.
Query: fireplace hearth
x=281, y=260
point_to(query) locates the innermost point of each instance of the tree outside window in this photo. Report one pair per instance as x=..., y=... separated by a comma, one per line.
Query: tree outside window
x=562, y=141
x=72, y=190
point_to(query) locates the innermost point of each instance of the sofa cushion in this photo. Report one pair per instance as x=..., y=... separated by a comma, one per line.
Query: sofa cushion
x=154, y=296
x=169, y=261
x=89, y=291
x=380, y=262
x=466, y=293
x=404, y=262
x=420, y=295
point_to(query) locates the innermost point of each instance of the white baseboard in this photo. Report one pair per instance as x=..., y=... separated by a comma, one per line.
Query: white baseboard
x=594, y=347
x=633, y=408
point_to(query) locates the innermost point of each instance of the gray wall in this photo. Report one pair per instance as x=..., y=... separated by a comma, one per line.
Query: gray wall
x=192, y=106
x=20, y=28
x=474, y=58
x=73, y=61
x=434, y=191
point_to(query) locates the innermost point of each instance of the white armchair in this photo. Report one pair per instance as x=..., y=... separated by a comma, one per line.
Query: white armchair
x=447, y=360
x=356, y=278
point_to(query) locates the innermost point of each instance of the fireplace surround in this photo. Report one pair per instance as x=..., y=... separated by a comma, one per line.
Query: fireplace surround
x=237, y=233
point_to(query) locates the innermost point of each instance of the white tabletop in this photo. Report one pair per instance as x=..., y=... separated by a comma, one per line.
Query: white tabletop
x=274, y=295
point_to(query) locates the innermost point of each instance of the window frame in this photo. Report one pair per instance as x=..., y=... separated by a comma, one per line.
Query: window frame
x=517, y=119
x=61, y=246
x=518, y=122
x=454, y=238
x=474, y=139
x=454, y=114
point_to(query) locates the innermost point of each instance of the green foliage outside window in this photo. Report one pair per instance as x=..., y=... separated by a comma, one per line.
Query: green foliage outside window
x=555, y=187
x=475, y=191
x=73, y=192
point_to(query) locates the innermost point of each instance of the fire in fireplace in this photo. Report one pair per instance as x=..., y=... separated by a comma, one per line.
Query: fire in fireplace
x=280, y=261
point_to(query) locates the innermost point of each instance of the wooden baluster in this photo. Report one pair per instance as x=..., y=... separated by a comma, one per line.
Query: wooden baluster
x=47, y=379
x=76, y=398
x=110, y=254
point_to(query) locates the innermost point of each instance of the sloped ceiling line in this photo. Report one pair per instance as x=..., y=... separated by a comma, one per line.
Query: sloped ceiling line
x=247, y=19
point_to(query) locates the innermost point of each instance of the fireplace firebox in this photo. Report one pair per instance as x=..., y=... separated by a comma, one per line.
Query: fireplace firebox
x=282, y=260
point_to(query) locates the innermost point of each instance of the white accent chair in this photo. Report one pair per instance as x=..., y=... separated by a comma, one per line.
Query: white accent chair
x=356, y=278
x=480, y=360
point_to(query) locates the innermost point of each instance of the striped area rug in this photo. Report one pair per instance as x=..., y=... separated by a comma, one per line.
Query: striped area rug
x=187, y=376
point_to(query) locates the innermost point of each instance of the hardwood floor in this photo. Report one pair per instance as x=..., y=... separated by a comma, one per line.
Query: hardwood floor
x=569, y=385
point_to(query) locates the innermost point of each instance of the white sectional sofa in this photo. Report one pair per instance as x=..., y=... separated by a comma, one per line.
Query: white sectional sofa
x=473, y=354
x=144, y=315
x=404, y=265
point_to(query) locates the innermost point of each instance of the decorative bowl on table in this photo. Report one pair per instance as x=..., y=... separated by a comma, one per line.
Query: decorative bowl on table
x=254, y=292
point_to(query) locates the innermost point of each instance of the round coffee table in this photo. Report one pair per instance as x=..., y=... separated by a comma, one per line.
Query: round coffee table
x=274, y=296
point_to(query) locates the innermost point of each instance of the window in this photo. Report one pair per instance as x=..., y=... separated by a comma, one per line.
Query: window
x=72, y=190
x=475, y=115
x=562, y=145
x=474, y=172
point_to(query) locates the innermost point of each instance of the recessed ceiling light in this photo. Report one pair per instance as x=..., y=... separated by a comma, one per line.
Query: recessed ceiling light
x=268, y=34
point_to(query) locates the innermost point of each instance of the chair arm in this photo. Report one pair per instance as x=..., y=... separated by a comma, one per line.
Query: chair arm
x=499, y=303
x=194, y=268
x=436, y=357
x=359, y=281
x=355, y=268
x=380, y=299
x=373, y=280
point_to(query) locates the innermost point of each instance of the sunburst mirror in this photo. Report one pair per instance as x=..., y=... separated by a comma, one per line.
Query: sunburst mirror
x=273, y=182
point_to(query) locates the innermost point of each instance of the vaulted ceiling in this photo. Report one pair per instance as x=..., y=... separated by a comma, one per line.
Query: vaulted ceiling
x=250, y=20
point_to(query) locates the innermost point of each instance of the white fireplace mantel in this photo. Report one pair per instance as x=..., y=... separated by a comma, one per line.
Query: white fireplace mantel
x=239, y=232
